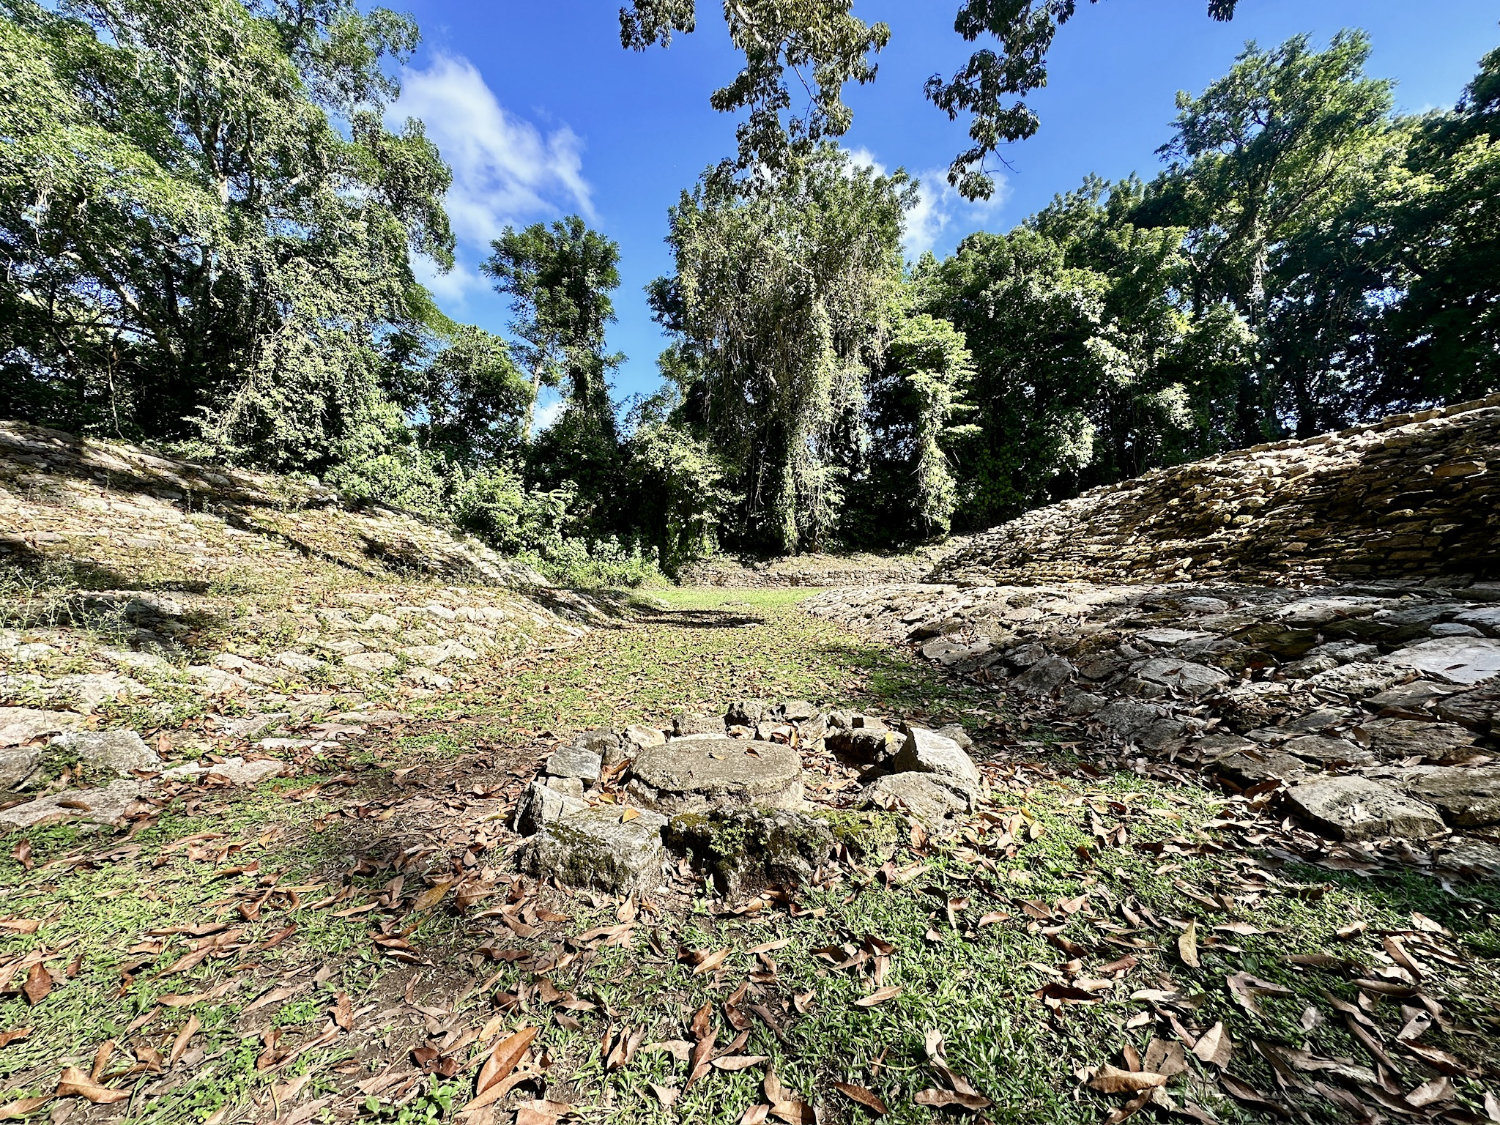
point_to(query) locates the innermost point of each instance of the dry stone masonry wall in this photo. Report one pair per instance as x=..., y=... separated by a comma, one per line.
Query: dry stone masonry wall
x=1413, y=495
x=1314, y=624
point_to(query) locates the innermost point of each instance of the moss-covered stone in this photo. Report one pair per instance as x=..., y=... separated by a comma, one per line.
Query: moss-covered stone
x=748, y=849
x=869, y=836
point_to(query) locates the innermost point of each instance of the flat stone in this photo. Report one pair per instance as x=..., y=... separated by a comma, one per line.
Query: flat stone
x=939, y=804
x=948, y=652
x=1044, y=677
x=231, y=771
x=570, y=786
x=574, y=761
x=1356, y=808
x=95, y=688
x=690, y=775
x=799, y=711
x=372, y=661
x=1184, y=676
x=1415, y=696
x=1140, y=723
x=298, y=661
x=19, y=725
x=109, y=751
x=926, y=751
x=1454, y=629
x=684, y=725
x=1486, y=619
x=1169, y=638
x=17, y=765
x=596, y=848
x=748, y=850
x=541, y=804
x=108, y=804
x=1357, y=680
x=1467, y=798
x=1328, y=752
x=1474, y=858
x=1252, y=766
x=1459, y=660
x=1406, y=738
x=1477, y=710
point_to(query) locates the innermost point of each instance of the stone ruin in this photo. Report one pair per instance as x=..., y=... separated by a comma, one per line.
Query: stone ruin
x=730, y=796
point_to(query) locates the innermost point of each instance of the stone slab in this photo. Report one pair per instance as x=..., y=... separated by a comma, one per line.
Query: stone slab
x=926, y=751
x=693, y=774
x=1357, y=808
x=599, y=849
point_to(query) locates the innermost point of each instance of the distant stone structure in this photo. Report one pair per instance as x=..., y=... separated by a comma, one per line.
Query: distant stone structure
x=1414, y=495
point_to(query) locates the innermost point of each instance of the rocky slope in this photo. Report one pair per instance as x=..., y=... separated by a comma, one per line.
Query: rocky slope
x=1315, y=623
x=1415, y=495
x=207, y=607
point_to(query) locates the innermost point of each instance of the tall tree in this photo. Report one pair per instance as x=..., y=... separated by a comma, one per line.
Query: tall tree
x=781, y=288
x=204, y=223
x=559, y=279
x=1262, y=155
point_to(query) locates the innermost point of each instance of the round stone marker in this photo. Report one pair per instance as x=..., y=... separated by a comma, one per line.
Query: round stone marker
x=690, y=775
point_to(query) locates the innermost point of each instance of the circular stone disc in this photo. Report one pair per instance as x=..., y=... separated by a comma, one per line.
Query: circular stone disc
x=688, y=775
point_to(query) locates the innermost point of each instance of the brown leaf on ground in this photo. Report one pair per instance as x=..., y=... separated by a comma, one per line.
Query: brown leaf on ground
x=21, y=853
x=179, y=1045
x=755, y=1114
x=1113, y=1080
x=1164, y=1056
x=1187, y=946
x=1246, y=989
x=75, y=1083
x=490, y=1086
x=540, y=1112
x=1249, y=1095
x=946, y=1099
x=705, y=962
x=666, y=1095
x=14, y=1035
x=343, y=1011
x=1214, y=1047
x=879, y=996
x=431, y=896
x=738, y=1062
x=21, y=1107
x=862, y=1096
x=38, y=985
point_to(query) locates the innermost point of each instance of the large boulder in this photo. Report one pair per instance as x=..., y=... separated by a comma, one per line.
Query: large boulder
x=1459, y=660
x=694, y=774
x=107, y=752
x=748, y=849
x=606, y=848
x=1358, y=808
x=926, y=751
x=1394, y=739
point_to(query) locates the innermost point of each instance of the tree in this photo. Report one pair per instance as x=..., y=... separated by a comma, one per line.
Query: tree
x=775, y=36
x=782, y=287
x=559, y=280
x=204, y=223
x=1263, y=156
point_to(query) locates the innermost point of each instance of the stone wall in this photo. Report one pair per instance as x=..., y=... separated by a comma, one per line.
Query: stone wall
x=1412, y=496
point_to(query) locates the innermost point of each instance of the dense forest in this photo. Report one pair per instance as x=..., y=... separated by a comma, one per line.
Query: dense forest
x=208, y=223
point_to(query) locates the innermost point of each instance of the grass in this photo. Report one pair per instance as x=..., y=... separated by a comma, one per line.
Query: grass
x=977, y=984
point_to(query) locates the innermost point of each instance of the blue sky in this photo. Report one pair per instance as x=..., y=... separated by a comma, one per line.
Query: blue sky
x=541, y=114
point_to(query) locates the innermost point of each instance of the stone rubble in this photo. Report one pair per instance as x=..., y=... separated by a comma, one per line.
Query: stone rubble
x=728, y=794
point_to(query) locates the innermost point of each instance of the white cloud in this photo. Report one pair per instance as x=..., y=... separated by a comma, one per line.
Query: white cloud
x=505, y=169
x=940, y=212
x=547, y=413
x=455, y=285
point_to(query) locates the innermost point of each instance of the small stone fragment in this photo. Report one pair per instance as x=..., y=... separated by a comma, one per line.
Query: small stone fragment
x=926, y=751
x=574, y=761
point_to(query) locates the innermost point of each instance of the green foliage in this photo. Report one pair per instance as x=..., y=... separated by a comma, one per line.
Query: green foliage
x=204, y=224
x=817, y=38
x=783, y=287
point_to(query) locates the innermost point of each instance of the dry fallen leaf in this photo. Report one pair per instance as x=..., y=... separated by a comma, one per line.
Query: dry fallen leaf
x=15, y=1035
x=490, y=1086
x=1113, y=1080
x=1214, y=1047
x=431, y=897
x=710, y=962
x=944, y=1099
x=879, y=996
x=75, y=1083
x=179, y=1045
x=1187, y=945
x=38, y=985
x=21, y=1107
x=866, y=1098
x=738, y=1062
